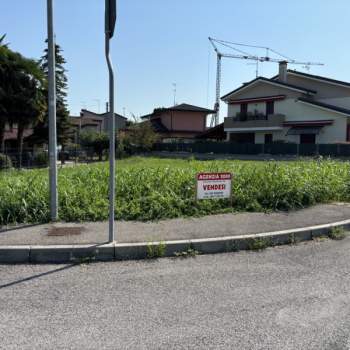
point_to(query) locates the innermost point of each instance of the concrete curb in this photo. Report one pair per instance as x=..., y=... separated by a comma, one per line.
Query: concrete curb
x=132, y=251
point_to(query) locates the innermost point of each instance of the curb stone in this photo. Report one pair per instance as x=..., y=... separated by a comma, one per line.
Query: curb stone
x=131, y=251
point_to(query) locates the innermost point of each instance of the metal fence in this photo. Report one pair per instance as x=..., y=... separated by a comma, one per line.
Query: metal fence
x=10, y=158
x=333, y=150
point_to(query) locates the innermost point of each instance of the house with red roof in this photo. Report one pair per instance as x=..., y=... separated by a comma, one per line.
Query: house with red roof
x=180, y=122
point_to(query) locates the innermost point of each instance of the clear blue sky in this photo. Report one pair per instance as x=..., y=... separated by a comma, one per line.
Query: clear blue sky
x=159, y=42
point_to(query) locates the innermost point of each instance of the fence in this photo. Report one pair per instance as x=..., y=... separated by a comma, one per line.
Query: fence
x=333, y=150
x=30, y=158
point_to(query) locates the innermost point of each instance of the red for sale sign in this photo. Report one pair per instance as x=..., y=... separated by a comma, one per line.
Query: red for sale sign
x=214, y=185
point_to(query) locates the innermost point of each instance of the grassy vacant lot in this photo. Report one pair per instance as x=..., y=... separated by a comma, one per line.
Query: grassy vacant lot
x=150, y=189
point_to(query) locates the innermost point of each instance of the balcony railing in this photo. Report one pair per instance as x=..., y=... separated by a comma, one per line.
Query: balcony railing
x=254, y=121
x=243, y=117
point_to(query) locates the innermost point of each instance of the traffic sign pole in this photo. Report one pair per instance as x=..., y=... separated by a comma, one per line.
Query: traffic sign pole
x=110, y=19
x=52, y=114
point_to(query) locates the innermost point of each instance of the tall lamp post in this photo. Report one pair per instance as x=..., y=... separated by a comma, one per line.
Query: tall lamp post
x=52, y=114
x=110, y=19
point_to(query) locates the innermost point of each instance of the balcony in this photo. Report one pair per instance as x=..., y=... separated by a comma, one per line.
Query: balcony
x=259, y=121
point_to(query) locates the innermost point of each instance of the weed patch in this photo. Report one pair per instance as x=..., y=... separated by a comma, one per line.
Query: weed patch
x=259, y=243
x=154, y=189
x=155, y=251
x=337, y=233
x=190, y=252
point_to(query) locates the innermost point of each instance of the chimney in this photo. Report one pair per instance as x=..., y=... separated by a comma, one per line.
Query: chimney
x=282, y=76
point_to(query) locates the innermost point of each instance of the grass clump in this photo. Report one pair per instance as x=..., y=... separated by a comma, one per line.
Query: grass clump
x=259, y=243
x=190, y=252
x=155, y=251
x=337, y=233
x=154, y=189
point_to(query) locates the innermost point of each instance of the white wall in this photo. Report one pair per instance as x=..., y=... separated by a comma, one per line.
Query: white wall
x=260, y=137
x=297, y=111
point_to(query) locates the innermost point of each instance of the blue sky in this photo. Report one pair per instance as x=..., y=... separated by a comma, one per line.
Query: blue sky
x=159, y=42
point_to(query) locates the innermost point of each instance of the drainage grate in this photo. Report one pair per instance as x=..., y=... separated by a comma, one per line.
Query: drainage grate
x=65, y=231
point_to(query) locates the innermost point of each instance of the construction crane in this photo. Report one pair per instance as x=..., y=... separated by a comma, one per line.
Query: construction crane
x=244, y=56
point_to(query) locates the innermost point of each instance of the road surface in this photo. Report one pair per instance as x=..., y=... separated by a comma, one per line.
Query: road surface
x=290, y=297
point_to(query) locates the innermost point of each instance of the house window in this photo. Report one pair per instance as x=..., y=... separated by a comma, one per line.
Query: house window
x=270, y=107
x=244, y=108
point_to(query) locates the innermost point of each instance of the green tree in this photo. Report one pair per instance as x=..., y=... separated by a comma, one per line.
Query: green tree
x=96, y=141
x=3, y=71
x=64, y=133
x=137, y=137
x=21, y=93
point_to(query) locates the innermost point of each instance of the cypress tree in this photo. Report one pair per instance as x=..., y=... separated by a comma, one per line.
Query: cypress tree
x=64, y=134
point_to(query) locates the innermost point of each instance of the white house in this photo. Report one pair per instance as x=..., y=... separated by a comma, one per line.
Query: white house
x=290, y=107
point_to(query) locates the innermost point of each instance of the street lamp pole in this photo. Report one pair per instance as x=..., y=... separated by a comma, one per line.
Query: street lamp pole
x=110, y=19
x=52, y=114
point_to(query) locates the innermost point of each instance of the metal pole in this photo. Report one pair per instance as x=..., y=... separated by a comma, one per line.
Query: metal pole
x=112, y=137
x=52, y=114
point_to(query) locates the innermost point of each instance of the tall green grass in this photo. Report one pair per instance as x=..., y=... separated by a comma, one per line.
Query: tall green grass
x=151, y=189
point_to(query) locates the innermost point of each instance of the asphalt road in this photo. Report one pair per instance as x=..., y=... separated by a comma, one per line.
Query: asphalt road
x=290, y=297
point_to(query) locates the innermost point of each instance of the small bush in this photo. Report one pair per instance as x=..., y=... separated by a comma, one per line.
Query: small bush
x=138, y=138
x=5, y=162
x=41, y=159
x=337, y=233
x=97, y=142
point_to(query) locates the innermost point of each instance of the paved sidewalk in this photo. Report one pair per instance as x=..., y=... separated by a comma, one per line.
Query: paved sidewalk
x=175, y=229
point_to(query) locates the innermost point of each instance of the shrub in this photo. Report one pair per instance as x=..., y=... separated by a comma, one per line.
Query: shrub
x=138, y=137
x=41, y=159
x=337, y=233
x=5, y=162
x=98, y=142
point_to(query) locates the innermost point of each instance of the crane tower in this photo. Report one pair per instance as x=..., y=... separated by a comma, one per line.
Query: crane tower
x=244, y=56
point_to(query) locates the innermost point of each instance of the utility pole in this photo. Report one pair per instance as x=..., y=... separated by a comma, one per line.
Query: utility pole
x=52, y=114
x=110, y=19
